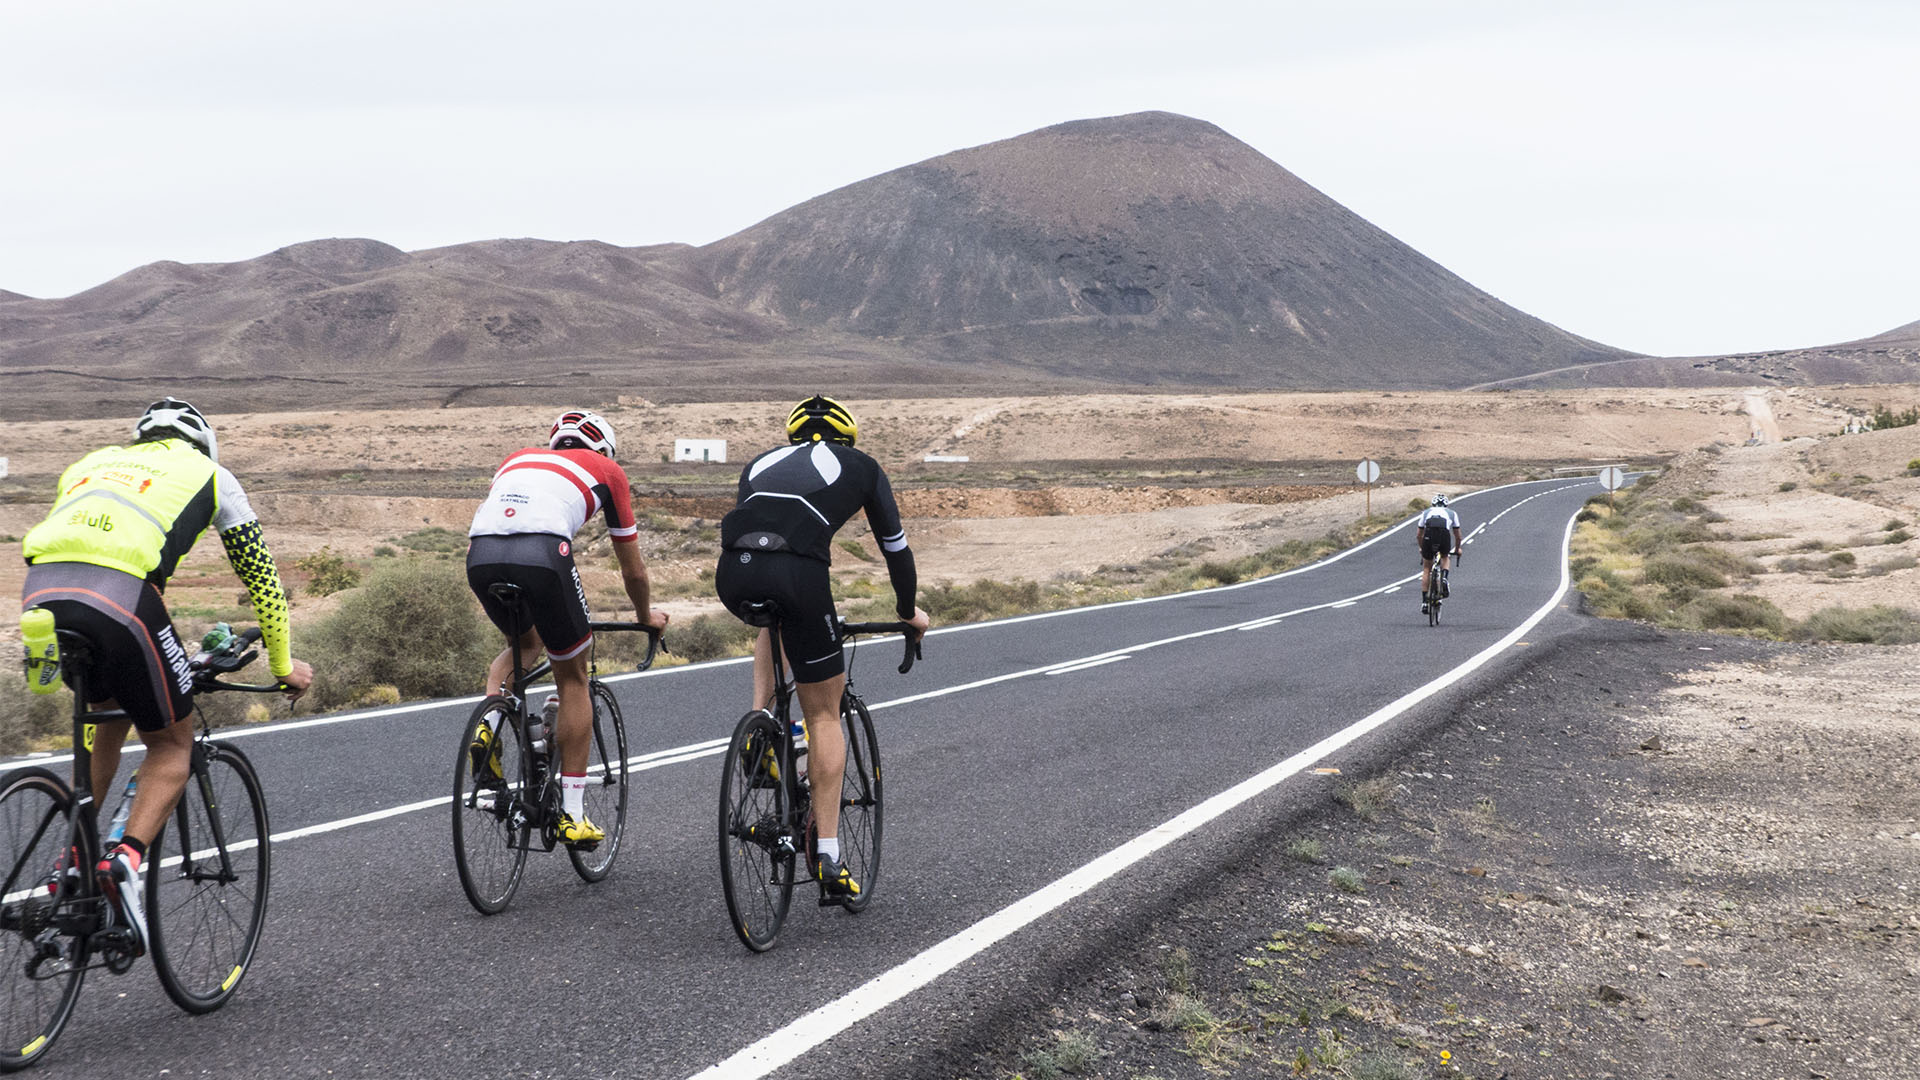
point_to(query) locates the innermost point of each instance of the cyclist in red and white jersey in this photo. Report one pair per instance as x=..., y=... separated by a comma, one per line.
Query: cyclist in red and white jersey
x=523, y=535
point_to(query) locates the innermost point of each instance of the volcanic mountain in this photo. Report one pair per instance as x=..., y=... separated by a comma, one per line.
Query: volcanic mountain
x=1149, y=249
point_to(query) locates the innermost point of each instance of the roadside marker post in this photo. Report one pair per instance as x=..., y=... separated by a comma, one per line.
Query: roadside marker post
x=1613, y=478
x=1368, y=471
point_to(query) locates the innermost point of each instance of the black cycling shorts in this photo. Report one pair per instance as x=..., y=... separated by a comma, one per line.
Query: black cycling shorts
x=809, y=627
x=542, y=565
x=1435, y=541
x=138, y=660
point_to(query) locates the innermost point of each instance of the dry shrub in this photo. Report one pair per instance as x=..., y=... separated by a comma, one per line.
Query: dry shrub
x=709, y=637
x=414, y=626
x=1876, y=625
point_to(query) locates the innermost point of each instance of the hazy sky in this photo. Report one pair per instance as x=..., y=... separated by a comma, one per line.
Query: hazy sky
x=1670, y=177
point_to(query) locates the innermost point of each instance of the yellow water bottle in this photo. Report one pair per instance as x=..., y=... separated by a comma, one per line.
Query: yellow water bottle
x=43, y=650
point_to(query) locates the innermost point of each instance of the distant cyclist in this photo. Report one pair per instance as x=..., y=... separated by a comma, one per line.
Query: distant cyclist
x=523, y=535
x=122, y=520
x=1437, y=533
x=775, y=545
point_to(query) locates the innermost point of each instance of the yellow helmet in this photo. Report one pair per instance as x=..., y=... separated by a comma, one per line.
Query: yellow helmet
x=819, y=418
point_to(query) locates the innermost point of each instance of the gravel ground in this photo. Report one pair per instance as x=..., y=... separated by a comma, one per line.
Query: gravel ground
x=1646, y=854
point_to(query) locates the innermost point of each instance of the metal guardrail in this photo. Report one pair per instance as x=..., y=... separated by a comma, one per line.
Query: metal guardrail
x=1588, y=470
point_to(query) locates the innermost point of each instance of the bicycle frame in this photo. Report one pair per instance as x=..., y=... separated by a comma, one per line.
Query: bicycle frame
x=519, y=679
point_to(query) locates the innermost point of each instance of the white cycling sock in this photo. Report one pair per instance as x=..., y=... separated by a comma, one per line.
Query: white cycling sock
x=829, y=847
x=573, y=794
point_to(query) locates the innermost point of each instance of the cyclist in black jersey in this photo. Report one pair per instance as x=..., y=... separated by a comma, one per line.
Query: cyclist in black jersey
x=1437, y=534
x=776, y=545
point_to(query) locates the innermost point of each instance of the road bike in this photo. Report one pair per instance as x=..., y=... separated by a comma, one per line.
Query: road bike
x=207, y=876
x=506, y=797
x=1431, y=598
x=766, y=815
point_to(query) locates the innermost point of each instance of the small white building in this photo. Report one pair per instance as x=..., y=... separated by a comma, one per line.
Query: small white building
x=699, y=449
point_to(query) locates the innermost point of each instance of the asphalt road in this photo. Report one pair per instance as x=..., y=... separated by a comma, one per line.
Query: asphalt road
x=1032, y=795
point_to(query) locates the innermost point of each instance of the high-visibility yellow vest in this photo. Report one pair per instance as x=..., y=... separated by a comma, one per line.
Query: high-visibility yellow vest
x=137, y=509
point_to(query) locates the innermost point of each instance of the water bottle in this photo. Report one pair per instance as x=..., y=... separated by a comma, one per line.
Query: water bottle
x=216, y=638
x=539, y=727
x=117, y=831
x=798, y=732
x=43, y=650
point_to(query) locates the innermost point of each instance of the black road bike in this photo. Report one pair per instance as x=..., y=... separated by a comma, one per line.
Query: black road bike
x=207, y=874
x=766, y=815
x=504, y=807
x=1431, y=597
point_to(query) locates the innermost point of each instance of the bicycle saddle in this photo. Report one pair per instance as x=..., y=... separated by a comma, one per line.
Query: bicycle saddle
x=759, y=612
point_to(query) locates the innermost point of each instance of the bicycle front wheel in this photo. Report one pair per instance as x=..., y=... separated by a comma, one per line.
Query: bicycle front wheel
x=491, y=813
x=860, y=804
x=757, y=842
x=606, y=797
x=207, y=902
x=43, y=935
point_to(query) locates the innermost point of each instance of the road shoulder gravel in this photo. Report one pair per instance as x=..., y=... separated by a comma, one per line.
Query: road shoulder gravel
x=1638, y=853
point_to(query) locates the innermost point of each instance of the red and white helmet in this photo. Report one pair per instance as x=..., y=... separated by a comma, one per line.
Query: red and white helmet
x=591, y=430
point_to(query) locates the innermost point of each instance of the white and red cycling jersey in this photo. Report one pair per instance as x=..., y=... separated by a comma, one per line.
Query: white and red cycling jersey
x=555, y=491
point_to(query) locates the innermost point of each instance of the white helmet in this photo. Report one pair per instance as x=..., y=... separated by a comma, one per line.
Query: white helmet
x=591, y=430
x=1439, y=500
x=171, y=417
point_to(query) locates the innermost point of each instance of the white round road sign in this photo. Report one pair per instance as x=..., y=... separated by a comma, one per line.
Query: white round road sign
x=1368, y=470
x=1613, y=478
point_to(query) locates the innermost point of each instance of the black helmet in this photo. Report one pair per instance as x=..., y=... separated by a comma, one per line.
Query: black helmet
x=171, y=418
x=820, y=418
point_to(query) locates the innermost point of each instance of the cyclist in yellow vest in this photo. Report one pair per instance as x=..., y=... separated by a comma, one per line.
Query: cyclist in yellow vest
x=122, y=520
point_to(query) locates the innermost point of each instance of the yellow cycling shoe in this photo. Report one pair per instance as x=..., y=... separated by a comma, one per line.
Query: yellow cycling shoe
x=483, y=754
x=837, y=885
x=579, y=833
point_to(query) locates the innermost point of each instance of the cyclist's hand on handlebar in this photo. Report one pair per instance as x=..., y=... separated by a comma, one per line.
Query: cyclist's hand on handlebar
x=657, y=619
x=919, y=622
x=296, y=681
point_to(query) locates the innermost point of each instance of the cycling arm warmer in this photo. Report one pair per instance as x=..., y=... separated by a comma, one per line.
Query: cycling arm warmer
x=900, y=570
x=247, y=550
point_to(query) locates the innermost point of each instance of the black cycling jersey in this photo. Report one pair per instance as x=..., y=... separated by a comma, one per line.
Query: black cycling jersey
x=794, y=498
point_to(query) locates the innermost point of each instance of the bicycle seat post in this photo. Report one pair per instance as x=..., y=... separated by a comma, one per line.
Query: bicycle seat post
x=509, y=595
x=766, y=615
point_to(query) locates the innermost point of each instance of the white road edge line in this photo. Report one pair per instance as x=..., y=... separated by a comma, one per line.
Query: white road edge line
x=694, y=751
x=1071, y=668
x=425, y=706
x=816, y=1027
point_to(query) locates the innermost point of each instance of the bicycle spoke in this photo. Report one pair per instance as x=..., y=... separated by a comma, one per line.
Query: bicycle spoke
x=607, y=791
x=860, y=801
x=757, y=842
x=490, y=816
x=206, y=908
x=40, y=967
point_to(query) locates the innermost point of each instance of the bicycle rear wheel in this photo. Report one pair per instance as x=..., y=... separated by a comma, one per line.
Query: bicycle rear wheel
x=207, y=903
x=491, y=814
x=757, y=842
x=43, y=936
x=860, y=804
x=606, y=797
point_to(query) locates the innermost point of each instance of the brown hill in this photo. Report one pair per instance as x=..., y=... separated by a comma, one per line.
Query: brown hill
x=1143, y=249
x=1899, y=335
x=1890, y=357
x=1149, y=248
